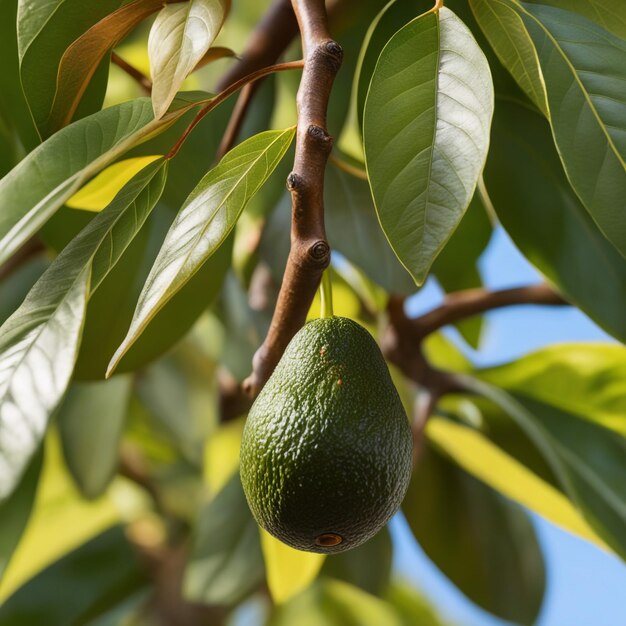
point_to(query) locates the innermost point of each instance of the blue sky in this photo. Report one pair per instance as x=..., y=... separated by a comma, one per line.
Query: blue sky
x=586, y=587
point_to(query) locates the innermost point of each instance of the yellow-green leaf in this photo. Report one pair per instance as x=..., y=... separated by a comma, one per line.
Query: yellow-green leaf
x=289, y=571
x=484, y=460
x=101, y=190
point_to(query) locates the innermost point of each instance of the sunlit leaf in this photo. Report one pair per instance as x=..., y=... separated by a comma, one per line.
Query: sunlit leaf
x=221, y=454
x=547, y=222
x=16, y=510
x=226, y=563
x=39, y=342
x=505, y=31
x=91, y=421
x=426, y=134
x=34, y=190
x=481, y=458
x=587, y=379
x=289, y=571
x=180, y=37
x=101, y=190
x=58, y=507
x=486, y=545
x=204, y=222
x=587, y=461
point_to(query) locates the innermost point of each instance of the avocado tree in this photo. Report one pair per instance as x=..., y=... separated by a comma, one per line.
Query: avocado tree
x=175, y=175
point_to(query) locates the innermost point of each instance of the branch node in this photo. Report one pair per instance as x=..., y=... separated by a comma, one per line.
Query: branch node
x=320, y=136
x=319, y=254
x=294, y=182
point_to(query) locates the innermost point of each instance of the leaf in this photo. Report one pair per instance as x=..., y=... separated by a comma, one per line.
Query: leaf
x=546, y=221
x=588, y=380
x=180, y=36
x=426, y=133
x=411, y=606
x=91, y=421
x=221, y=454
x=289, y=571
x=84, y=583
x=493, y=466
x=505, y=31
x=226, y=563
x=353, y=230
x=34, y=190
x=607, y=13
x=584, y=74
x=38, y=348
x=368, y=566
x=587, y=460
x=100, y=191
x=393, y=16
x=45, y=29
x=17, y=284
x=61, y=520
x=39, y=342
x=484, y=544
x=335, y=603
x=16, y=510
x=81, y=59
x=204, y=222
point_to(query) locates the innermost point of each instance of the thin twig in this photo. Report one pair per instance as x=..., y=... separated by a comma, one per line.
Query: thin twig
x=348, y=168
x=463, y=304
x=236, y=121
x=310, y=252
x=139, y=77
x=229, y=91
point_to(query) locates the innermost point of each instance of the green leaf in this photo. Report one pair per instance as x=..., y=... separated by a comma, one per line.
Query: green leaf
x=80, y=586
x=426, y=133
x=411, y=606
x=584, y=74
x=546, y=221
x=82, y=58
x=40, y=340
x=586, y=379
x=91, y=421
x=335, y=603
x=505, y=31
x=367, y=567
x=394, y=15
x=45, y=30
x=16, y=510
x=15, y=286
x=607, y=13
x=485, y=544
x=588, y=461
x=38, y=348
x=34, y=190
x=226, y=563
x=180, y=36
x=353, y=230
x=204, y=223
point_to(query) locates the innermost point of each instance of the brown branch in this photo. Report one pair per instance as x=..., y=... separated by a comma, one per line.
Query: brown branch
x=139, y=77
x=236, y=121
x=463, y=304
x=310, y=252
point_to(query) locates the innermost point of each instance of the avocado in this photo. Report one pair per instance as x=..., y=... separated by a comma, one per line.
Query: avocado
x=326, y=449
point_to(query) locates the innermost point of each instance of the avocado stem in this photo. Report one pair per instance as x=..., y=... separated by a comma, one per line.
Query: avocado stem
x=326, y=293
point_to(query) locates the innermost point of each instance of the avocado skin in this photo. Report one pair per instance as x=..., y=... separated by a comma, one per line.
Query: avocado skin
x=327, y=446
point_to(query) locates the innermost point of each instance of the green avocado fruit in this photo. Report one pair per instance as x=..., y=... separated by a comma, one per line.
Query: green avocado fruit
x=326, y=449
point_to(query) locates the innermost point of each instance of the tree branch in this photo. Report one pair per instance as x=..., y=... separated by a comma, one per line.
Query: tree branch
x=463, y=304
x=139, y=77
x=310, y=253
